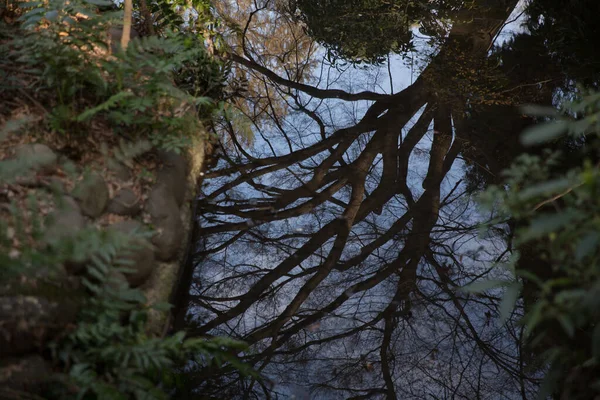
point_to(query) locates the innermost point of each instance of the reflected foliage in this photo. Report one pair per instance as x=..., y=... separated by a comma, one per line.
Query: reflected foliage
x=366, y=31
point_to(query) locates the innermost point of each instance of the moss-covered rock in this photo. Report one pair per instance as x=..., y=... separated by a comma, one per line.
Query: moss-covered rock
x=92, y=194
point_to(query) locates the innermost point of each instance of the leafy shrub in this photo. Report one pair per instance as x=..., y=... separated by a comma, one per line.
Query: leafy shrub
x=64, y=48
x=107, y=354
x=557, y=214
x=61, y=55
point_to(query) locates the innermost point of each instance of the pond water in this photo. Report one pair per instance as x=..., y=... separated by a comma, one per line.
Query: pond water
x=336, y=235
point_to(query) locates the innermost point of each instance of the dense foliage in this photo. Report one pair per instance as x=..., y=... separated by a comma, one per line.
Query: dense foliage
x=555, y=209
x=133, y=90
x=368, y=30
x=161, y=90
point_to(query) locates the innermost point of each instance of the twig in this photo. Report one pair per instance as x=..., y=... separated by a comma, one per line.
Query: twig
x=525, y=85
x=558, y=196
x=34, y=101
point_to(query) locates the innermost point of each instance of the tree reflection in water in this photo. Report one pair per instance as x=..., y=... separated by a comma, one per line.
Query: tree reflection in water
x=336, y=243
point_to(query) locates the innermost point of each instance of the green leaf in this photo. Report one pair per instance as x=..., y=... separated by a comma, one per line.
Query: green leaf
x=482, y=286
x=566, y=281
x=101, y=3
x=96, y=274
x=587, y=246
x=133, y=295
x=530, y=276
x=539, y=111
x=33, y=4
x=546, y=188
x=32, y=12
x=509, y=300
x=570, y=296
x=111, y=102
x=204, y=101
x=51, y=15
x=533, y=317
x=548, y=223
x=543, y=133
x=567, y=324
x=108, y=392
x=549, y=383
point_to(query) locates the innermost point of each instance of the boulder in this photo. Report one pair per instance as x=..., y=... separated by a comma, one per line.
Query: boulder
x=139, y=254
x=51, y=282
x=39, y=155
x=125, y=202
x=119, y=170
x=65, y=221
x=27, y=322
x=56, y=185
x=166, y=219
x=116, y=280
x=31, y=158
x=92, y=194
x=26, y=374
x=173, y=174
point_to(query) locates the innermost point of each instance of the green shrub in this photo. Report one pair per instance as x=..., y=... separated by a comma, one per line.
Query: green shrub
x=554, y=199
x=156, y=91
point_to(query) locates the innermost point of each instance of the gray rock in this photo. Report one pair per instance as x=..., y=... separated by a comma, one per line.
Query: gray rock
x=52, y=282
x=121, y=171
x=28, y=322
x=175, y=182
x=68, y=166
x=128, y=226
x=31, y=159
x=125, y=202
x=116, y=280
x=26, y=374
x=139, y=254
x=166, y=219
x=65, y=221
x=56, y=185
x=92, y=194
x=173, y=174
x=39, y=155
x=173, y=160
